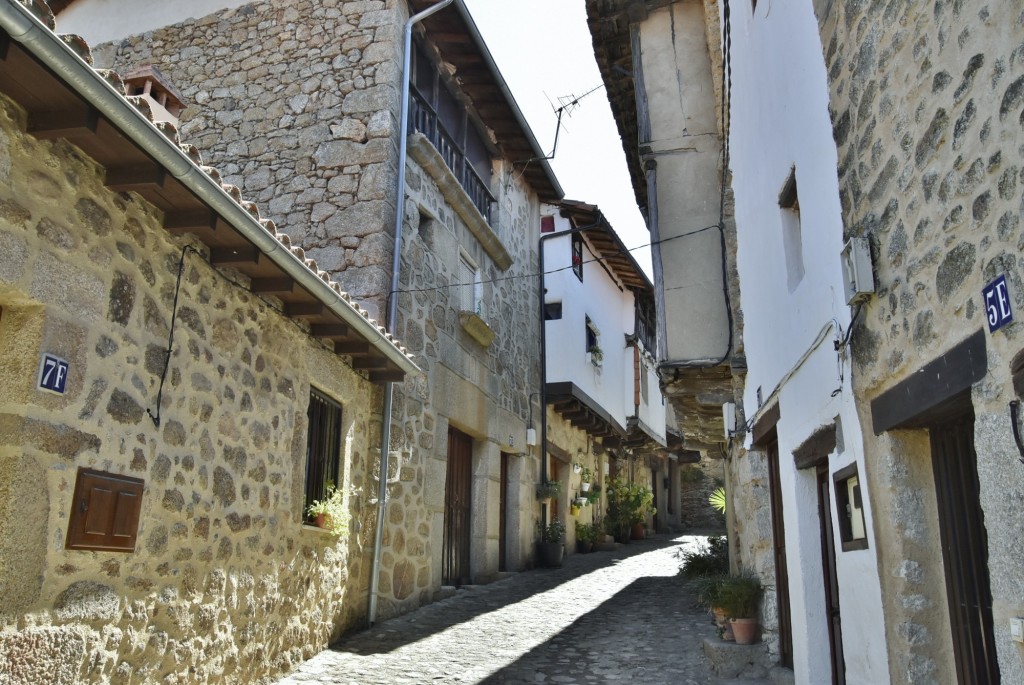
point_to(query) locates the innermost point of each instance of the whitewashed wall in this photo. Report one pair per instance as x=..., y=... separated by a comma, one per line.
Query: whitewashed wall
x=780, y=120
x=99, y=21
x=608, y=308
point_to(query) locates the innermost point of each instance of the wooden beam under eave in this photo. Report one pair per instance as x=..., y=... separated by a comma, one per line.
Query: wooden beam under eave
x=234, y=255
x=125, y=179
x=355, y=348
x=190, y=222
x=369, y=363
x=387, y=376
x=272, y=285
x=74, y=123
x=304, y=309
x=329, y=330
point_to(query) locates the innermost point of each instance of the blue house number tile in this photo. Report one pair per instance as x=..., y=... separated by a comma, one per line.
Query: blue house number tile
x=53, y=374
x=997, y=303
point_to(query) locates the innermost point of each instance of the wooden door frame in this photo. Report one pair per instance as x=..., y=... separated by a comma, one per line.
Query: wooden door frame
x=830, y=576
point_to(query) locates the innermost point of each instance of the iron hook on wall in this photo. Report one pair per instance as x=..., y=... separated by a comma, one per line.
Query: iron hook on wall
x=1015, y=423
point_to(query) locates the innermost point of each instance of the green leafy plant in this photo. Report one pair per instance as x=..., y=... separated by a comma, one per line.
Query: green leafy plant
x=628, y=504
x=740, y=596
x=709, y=591
x=717, y=500
x=586, y=475
x=595, y=353
x=585, y=532
x=330, y=512
x=549, y=490
x=553, y=532
x=710, y=558
x=593, y=494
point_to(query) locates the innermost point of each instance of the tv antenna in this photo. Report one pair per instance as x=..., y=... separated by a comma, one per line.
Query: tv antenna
x=567, y=105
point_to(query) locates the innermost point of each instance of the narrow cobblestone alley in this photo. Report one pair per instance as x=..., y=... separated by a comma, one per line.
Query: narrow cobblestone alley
x=608, y=617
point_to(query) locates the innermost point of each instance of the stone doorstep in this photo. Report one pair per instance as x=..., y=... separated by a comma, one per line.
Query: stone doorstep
x=730, y=660
x=780, y=675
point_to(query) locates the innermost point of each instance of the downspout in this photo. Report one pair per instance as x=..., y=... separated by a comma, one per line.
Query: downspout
x=543, y=350
x=392, y=320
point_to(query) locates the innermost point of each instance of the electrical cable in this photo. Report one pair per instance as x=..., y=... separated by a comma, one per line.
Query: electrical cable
x=170, y=336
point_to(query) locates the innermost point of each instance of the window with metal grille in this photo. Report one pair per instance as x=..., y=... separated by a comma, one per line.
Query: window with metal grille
x=323, y=446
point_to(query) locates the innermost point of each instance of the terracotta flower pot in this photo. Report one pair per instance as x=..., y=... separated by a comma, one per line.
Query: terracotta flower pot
x=745, y=630
x=322, y=521
x=637, y=531
x=549, y=554
x=723, y=625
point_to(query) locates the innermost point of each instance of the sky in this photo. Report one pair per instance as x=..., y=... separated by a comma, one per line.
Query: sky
x=544, y=51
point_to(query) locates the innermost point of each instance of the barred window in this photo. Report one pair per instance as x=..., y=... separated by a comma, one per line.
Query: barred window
x=323, y=446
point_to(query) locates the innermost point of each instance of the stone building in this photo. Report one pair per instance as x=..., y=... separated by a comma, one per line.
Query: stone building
x=872, y=441
x=159, y=422
x=926, y=105
x=670, y=124
x=298, y=102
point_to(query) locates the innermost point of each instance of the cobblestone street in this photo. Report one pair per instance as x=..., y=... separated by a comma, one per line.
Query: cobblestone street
x=607, y=617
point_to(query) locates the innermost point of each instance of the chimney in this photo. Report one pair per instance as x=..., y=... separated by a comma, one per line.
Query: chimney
x=149, y=82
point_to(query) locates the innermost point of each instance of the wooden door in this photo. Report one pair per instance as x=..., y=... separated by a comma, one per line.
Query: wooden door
x=828, y=565
x=458, y=493
x=503, y=514
x=964, y=550
x=779, y=549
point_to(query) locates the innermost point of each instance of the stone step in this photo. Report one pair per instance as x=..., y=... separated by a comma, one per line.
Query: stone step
x=780, y=675
x=730, y=660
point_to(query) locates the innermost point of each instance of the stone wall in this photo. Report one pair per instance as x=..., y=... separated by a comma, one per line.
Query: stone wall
x=297, y=102
x=225, y=584
x=926, y=102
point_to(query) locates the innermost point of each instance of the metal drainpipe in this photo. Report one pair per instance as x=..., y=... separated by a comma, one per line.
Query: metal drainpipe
x=392, y=321
x=543, y=353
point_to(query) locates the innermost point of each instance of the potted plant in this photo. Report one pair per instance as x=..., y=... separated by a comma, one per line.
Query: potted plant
x=594, y=494
x=550, y=548
x=550, y=489
x=596, y=355
x=586, y=476
x=585, y=535
x=629, y=505
x=709, y=595
x=330, y=513
x=740, y=598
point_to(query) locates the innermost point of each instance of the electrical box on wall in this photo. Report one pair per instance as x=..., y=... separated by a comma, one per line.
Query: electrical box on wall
x=858, y=277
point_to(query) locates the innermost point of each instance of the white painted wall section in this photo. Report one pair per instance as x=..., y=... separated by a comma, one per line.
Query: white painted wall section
x=794, y=309
x=99, y=21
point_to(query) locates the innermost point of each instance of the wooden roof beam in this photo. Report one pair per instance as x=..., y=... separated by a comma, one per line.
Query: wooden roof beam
x=74, y=123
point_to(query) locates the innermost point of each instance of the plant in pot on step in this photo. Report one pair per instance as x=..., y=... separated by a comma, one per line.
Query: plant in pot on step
x=585, y=535
x=740, y=597
x=550, y=548
x=709, y=596
x=550, y=489
x=330, y=513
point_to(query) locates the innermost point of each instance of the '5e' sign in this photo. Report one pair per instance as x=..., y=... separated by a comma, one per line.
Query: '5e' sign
x=53, y=373
x=997, y=303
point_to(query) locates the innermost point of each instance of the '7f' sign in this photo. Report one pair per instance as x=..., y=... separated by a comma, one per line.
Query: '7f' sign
x=997, y=303
x=53, y=373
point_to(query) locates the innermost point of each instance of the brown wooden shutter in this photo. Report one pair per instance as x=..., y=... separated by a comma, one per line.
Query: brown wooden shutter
x=105, y=511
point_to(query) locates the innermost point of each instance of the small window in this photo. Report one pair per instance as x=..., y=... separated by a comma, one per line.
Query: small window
x=470, y=286
x=593, y=338
x=577, y=256
x=792, y=240
x=547, y=224
x=849, y=502
x=552, y=311
x=643, y=381
x=323, y=446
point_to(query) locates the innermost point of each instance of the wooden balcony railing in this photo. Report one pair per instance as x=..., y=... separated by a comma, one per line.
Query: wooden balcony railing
x=424, y=119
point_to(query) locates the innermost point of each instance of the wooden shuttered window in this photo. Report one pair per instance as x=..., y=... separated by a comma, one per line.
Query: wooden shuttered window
x=105, y=512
